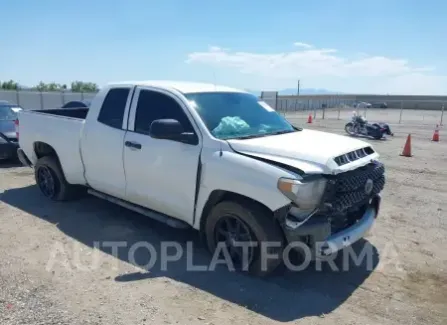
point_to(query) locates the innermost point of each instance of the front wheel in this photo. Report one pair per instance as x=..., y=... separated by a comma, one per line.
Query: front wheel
x=245, y=235
x=349, y=128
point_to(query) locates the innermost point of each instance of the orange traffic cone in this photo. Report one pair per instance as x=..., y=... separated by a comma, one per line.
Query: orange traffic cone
x=309, y=119
x=407, y=148
x=436, y=134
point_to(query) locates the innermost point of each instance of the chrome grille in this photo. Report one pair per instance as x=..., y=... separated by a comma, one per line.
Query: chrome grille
x=347, y=189
x=346, y=198
x=353, y=156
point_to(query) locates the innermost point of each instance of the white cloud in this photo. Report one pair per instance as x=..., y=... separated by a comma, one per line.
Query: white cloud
x=303, y=45
x=325, y=68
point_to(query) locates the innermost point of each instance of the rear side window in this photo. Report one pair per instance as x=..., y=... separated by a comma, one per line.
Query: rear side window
x=112, y=110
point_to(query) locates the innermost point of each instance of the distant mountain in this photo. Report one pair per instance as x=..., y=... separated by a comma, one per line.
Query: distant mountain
x=304, y=91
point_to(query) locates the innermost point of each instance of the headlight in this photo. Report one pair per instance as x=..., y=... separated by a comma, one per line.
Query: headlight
x=305, y=194
x=2, y=140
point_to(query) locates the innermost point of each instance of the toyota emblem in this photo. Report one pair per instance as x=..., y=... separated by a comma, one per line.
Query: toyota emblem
x=369, y=186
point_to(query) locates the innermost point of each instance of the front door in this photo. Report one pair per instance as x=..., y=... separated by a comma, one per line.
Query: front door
x=160, y=174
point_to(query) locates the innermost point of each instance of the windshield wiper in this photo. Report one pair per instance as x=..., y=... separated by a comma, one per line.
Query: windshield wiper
x=281, y=132
x=252, y=136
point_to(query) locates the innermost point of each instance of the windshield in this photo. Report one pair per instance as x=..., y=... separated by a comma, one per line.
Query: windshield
x=8, y=112
x=235, y=115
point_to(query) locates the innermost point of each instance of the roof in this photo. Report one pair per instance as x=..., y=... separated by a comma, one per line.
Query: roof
x=181, y=86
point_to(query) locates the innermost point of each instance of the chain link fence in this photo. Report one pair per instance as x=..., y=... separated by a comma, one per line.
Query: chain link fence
x=42, y=100
x=342, y=109
x=327, y=108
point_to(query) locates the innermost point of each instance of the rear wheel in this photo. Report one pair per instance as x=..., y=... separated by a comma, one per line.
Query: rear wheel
x=246, y=236
x=51, y=180
x=378, y=135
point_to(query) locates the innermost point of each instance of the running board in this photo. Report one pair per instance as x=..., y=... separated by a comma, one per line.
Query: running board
x=172, y=222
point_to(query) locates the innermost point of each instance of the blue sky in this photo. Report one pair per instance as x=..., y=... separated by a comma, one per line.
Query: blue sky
x=348, y=46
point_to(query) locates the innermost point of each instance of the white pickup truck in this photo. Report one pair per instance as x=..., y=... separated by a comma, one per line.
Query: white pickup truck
x=213, y=158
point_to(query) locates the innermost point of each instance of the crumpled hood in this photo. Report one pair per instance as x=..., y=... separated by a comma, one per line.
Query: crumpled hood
x=309, y=150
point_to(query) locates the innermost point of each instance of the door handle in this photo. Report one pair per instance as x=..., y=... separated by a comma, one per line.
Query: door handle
x=132, y=144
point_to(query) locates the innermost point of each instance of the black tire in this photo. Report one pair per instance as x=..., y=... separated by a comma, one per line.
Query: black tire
x=262, y=226
x=378, y=136
x=63, y=191
x=349, y=126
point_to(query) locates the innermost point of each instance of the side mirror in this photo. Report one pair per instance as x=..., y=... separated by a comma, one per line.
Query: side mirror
x=170, y=129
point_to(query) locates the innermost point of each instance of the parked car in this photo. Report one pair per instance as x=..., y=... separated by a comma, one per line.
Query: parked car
x=380, y=105
x=8, y=137
x=213, y=158
x=362, y=105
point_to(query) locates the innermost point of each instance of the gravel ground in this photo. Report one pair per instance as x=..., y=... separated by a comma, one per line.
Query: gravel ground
x=56, y=268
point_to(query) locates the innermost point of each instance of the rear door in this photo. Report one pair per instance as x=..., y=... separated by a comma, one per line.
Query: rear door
x=160, y=174
x=103, y=141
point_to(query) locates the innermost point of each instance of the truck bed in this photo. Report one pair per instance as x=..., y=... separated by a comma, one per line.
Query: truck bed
x=60, y=129
x=80, y=113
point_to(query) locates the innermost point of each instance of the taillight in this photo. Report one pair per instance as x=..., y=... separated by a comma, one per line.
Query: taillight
x=16, y=124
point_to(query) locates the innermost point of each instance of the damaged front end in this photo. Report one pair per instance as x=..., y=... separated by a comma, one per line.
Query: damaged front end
x=348, y=209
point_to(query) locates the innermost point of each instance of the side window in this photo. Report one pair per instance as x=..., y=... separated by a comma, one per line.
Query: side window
x=153, y=106
x=112, y=110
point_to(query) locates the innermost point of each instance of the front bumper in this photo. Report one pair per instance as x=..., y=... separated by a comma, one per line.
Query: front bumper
x=320, y=237
x=347, y=237
x=8, y=150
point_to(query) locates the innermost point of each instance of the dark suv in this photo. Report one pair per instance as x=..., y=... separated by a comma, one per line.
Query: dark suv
x=8, y=137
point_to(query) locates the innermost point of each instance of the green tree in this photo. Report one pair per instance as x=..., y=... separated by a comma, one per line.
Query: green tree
x=76, y=86
x=9, y=85
x=52, y=86
x=42, y=86
x=81, y=86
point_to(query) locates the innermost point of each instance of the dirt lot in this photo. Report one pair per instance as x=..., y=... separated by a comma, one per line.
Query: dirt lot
x=51, y=272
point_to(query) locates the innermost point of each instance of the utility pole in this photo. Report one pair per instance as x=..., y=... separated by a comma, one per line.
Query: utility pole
x=298, y=89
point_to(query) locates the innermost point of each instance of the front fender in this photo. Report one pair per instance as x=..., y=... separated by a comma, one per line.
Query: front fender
x=233, y=172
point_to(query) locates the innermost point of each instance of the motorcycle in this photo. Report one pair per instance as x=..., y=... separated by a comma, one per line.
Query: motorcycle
x=360, y=126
